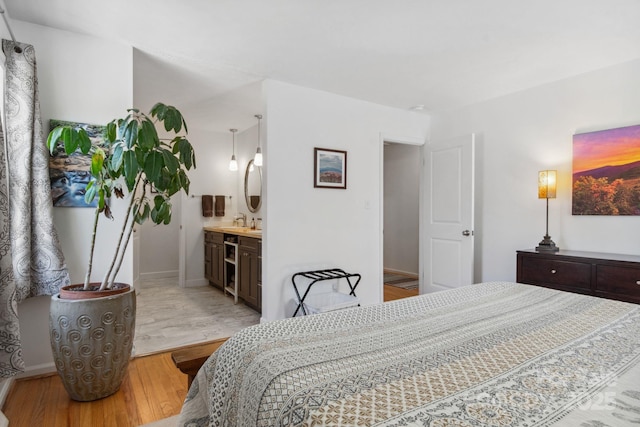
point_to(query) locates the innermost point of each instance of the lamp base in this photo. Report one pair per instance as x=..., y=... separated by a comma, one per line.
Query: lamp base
x=547, y=245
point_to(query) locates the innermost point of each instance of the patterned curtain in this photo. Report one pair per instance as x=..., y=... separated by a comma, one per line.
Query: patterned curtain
x=32, y=262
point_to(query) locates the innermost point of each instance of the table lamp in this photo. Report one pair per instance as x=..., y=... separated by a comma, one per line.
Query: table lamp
x=547, y=190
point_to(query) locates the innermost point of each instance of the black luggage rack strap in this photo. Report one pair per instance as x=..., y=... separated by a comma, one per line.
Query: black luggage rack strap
x=320, y=275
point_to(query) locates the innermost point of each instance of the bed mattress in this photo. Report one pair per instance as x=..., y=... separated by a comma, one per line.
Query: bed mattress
x=492, y=354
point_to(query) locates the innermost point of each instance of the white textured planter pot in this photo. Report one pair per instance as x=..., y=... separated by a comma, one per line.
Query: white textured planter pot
x=91, y=340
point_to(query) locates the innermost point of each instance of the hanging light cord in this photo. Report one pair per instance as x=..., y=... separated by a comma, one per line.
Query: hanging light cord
x=258, y=156
x=259, y=117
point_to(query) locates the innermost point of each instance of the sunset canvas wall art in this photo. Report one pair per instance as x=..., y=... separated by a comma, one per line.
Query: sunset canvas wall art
x=606, y=172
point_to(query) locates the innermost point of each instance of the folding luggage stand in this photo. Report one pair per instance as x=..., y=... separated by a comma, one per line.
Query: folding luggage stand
x=332, y=300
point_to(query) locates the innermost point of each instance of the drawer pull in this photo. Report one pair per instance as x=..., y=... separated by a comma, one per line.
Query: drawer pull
x=553, y=272
x=637, y=282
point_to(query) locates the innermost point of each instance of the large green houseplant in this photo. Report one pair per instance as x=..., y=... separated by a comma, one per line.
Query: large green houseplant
x=92, y=324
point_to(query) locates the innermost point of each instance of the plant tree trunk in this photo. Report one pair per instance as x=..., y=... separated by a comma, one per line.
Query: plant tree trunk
x=107, y=282
x=87, y=278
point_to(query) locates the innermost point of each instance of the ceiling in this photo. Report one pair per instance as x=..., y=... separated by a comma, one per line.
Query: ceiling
x=210, y=55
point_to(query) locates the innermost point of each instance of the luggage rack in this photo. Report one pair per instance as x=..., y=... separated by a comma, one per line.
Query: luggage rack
x=328, y=301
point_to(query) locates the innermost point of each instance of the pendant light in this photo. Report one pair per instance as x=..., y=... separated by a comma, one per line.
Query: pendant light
x=233, y=164
x=257, y=160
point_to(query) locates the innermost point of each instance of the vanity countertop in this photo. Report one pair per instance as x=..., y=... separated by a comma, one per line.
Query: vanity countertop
x=238, y=231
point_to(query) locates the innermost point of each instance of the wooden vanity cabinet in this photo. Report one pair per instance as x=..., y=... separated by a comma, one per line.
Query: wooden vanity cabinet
x=260, y=276
x=249, y=286
x=605, y=275
x=214, y=258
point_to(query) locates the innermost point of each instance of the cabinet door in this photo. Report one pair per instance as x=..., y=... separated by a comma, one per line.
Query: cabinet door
x=249, y=277
x=208, y=259
x=259, y=279
x=213, y=258
x=217, y=265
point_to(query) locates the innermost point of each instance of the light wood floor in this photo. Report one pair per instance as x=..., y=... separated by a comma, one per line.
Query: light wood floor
x=153, y=389
x=393, y=293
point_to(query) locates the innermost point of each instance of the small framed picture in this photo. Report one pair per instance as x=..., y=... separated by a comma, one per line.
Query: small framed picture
x=69, y=174
x=330, y=168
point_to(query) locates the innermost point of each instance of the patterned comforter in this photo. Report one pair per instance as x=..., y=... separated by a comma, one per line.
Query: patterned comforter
x=494, y=354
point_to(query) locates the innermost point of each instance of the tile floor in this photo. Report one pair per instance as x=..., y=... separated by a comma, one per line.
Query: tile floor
x=169, y=316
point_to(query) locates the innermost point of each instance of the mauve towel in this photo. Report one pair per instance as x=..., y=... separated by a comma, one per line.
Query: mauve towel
x=207, y=205
x=219, y=205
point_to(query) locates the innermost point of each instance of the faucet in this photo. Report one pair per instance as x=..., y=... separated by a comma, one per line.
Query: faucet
x=242, y=216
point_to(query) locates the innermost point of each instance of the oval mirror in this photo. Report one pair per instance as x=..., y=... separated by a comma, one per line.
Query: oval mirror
x=253, y=187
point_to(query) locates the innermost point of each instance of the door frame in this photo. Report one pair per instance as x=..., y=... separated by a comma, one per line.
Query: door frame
x=182, y=244
x=407, y=140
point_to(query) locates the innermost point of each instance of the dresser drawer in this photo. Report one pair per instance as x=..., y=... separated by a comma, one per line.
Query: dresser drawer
x=564, y=275
x=623, y=281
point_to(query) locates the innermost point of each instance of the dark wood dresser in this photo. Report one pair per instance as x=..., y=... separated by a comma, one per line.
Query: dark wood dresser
x=605, y=275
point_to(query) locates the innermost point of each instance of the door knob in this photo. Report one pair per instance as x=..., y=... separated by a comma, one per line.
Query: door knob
x=466, y=233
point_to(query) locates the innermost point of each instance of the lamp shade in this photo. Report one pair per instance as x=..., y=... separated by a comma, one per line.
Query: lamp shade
x=547, y=184
x=257, y=160
x=233, y=164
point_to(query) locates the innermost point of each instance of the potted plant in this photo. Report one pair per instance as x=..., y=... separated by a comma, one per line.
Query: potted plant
x=92, y=324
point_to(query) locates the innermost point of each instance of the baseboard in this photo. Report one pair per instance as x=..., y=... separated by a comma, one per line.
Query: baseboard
x=196, y=282
x=37, y=370
x=159, y=275
x=400, y=272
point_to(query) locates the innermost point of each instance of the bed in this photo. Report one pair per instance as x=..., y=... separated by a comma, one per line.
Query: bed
x=493, y=354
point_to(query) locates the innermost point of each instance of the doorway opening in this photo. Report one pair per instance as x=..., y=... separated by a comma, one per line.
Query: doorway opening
x=402, y=171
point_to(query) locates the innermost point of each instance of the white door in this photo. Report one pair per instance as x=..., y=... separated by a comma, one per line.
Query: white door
x=449, y=192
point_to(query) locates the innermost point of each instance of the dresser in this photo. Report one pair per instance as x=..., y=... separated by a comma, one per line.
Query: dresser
x=605, y=275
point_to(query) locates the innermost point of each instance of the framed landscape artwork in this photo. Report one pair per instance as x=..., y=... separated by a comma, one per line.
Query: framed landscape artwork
x=69, y=175
x=330, y=168
x=606, y=172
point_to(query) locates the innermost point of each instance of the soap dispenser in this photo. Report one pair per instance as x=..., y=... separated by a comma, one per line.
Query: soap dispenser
x=253, y=223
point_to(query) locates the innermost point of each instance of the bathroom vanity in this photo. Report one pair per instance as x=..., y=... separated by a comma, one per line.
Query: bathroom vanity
x=233, y=262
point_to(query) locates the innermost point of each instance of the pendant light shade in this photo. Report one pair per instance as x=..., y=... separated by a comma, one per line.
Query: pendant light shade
x=257, y=160
x=233, y=164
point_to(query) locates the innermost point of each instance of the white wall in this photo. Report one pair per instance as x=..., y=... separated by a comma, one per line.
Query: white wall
x=532, y=130
x=87, y=80
x=307, y=227
x=158, y=245
x=402, y=163
x=211, y=176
